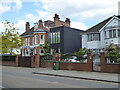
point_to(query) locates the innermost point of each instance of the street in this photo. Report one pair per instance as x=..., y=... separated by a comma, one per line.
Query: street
x=19, y=77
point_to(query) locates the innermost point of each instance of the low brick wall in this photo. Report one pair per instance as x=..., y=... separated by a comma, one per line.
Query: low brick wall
x=46, y=64
x=108, y=67
x=112, y=68
x=74, y=66
x=8, y=63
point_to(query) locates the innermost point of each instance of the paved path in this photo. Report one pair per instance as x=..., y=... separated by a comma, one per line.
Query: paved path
x=107, y=77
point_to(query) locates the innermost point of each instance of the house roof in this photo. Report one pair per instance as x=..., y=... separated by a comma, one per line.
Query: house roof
x=97, y=27
x=31, y=31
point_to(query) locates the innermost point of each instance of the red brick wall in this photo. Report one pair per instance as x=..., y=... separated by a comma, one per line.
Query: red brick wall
x=47, y=64
x=78, y=66
x=8, y=63
x=105, y=67
x=74, y=66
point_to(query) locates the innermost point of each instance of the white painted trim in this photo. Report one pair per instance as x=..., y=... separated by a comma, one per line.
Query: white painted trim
x=39, y=32
x=108, y=23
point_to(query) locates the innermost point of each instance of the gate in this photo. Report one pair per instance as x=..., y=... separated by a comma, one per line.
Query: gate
x=96, y=63
x=24, y=61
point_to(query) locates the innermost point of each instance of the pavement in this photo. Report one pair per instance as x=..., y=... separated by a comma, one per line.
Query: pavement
x=97, y=76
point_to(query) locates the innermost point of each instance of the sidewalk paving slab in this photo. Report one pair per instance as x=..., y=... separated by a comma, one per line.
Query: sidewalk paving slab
x=98, y=76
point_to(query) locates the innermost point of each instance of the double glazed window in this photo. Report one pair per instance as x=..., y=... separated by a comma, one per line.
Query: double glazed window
x=111, y=33
x=93, y=37
x=54, y=37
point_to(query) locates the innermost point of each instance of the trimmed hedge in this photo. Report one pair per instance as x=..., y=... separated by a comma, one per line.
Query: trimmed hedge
x=7, y=58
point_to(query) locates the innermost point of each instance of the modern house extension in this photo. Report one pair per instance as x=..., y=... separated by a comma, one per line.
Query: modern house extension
x=103, y=34
x=65, y=39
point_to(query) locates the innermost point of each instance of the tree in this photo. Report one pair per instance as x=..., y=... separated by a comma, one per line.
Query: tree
x=10, y=41
x=113, y=52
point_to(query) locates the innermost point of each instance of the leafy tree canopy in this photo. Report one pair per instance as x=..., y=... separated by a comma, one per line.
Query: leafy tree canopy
x=10, y=41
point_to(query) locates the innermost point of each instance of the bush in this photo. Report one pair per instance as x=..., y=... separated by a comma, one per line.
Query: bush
x=7, y=58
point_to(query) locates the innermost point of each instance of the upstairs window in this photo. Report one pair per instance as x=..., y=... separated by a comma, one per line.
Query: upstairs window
x=110, y=33
x=54, y=37
x=36, y=39
x=27, y=41
x=41, y=39
x=114, y=33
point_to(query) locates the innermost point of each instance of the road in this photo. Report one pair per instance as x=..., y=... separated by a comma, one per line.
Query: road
x=19, y=77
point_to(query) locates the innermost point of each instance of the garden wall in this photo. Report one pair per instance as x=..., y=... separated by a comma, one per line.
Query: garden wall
x=109, y=67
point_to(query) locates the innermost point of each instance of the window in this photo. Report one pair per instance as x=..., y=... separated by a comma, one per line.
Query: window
x=96, y=37
x=114, y=33
x=32, y=40
x=93, y=37
x=27, y=41
x=41, y=39
x=51, y=40
x=36, y=39
x=118, y=32
x=55, y=37
x=110, y=33
x=58, y=37
x=41, y=51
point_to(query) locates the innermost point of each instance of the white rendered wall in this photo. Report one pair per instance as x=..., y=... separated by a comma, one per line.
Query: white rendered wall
x=84, y=41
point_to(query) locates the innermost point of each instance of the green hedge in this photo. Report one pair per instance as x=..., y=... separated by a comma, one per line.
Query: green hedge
x=7, y=58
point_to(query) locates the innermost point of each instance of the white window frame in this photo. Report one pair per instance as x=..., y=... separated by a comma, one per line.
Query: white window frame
x=42, y=41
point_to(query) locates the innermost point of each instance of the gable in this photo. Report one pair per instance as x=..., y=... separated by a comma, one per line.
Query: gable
x=114, y=22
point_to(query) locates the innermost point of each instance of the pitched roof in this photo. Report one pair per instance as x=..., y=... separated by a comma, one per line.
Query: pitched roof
x=97, y=27
x=31, y=31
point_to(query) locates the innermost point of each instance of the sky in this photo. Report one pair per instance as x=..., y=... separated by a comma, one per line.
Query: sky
x=82, y=13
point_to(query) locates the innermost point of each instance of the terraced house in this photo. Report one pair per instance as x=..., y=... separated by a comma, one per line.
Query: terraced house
x=103, y=34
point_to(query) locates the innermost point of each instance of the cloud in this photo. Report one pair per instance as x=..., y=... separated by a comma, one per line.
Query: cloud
x=21, y=26
x=84, y=9
x=78, y=25
x=31, y=18
x=7, y=5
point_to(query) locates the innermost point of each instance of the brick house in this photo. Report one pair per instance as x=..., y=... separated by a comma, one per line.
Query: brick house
x=36, y=36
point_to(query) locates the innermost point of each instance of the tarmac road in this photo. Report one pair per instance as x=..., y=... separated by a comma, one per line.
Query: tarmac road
x=18, y=77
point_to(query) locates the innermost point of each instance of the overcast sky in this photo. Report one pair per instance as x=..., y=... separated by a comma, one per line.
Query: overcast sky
x=83, y=13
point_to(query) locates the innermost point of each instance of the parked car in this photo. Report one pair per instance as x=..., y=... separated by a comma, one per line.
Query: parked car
x=72, y=59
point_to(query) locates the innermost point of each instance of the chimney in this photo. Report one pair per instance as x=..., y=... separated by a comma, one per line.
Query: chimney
x=56, y=20
x=27, y=26
x=67, y=21
x=40, y=24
